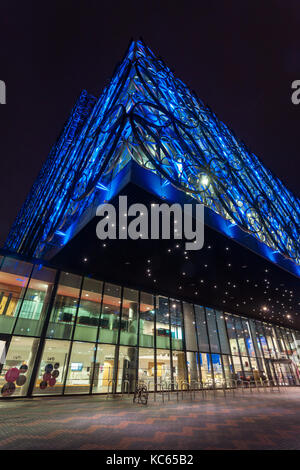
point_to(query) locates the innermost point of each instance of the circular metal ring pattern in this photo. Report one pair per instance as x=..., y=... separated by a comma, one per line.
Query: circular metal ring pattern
x=145, y=113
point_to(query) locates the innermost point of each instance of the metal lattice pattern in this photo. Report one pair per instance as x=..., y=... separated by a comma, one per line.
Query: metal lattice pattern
x=145, y=113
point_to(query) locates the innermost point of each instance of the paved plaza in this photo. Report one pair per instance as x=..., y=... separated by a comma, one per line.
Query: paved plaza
x=257, y=420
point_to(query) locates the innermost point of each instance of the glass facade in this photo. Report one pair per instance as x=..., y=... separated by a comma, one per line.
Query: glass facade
x=61, y=333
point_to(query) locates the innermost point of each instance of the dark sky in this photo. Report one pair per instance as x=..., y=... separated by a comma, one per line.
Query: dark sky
x=239, y=56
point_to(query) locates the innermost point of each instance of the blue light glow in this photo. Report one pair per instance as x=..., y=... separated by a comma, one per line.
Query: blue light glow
x=61, y=234
x=101, y=186
x=147, y=115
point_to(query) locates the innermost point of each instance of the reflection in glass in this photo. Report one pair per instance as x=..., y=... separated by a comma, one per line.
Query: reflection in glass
x=247, y=368
x=255, y=372
x=228, y=370
x=179, y=368
x=80, y=369
x=268, y=335
x=14, y=276
x=193, y=367
x=240, y=336
x=89, y=310
x=232, y=335
x=36, y=301
x=262, y=339
x=282, y=340
x=164, y=376
x=65, y=306
x=103, y=374
x=127, y=368
x=206, y=370
x=295, y=356
x=277, y=345
x=201, y=328
x=248, y=338
x=189, y=327
x=162, y=323
x=225, y=341
x=147, y=314
x=129, y=319
x=238, y=369
x=218, y=370
x=146, y=367
x=289, y=341
x=212, y=330
x=222, y=332
x=54, y=364
x=176, y=324
x=280, y=374
x=17, y=367
x=255, y=337
x=110, y=316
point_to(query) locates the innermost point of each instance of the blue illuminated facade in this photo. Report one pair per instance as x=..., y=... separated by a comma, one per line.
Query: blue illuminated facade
x=148, y=116
x=108, y=321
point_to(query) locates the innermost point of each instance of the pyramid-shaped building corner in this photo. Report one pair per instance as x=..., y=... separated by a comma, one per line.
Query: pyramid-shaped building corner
x=83, y=315
x=148, y=116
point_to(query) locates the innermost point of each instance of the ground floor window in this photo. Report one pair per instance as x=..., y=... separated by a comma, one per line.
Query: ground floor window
x=193, y=367
x=103, y=375
x=146, y=371
x=80, y=369
x=206, y=370
x=127, y=368
x=219, y=380
x=228, y=369
x=163, y=364
x=238, y=373
x=17, y=365
x=52, y=369
x=179, y=369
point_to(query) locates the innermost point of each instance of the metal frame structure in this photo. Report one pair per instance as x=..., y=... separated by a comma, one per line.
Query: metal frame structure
x=148, y=115
x=287, y=340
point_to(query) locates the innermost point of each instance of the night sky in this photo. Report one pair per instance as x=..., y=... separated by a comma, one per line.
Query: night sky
x=239, y=56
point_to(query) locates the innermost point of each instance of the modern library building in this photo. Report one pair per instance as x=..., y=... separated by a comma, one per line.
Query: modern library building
x=80, y=315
